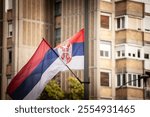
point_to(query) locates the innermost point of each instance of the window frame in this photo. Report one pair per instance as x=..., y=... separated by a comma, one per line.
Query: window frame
x=106, y=52
x=10, y=29
x=122, y=19
x=109, y=75
x=134, y=84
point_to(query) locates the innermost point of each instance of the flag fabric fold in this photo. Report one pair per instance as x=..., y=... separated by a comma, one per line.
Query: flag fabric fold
x=44, y=65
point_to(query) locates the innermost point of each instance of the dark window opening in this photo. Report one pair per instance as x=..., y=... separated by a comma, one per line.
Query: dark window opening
x=9, y=57
x=139, y=54
x=146, y=56
x=124, y=79
x=58, y=8
x=118, y=80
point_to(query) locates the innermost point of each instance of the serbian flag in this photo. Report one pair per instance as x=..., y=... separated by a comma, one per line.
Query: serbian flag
x=44, y=65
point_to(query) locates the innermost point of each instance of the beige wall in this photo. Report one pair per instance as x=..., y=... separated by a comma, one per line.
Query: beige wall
x=129, y=93
x=126, y=7
x=35, y=22
x=129, y=36
x=129, y=65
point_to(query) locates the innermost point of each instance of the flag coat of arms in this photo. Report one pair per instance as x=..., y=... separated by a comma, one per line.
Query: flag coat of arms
x=46, y=62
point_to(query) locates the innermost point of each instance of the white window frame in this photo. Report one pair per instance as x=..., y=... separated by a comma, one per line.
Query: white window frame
x=127, y=80
x=125, y=22
x=107, y=0
x=105, y=49
x=110, y=77
x=110, y=18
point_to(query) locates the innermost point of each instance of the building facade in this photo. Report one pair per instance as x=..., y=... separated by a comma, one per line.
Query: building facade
x=119, y=41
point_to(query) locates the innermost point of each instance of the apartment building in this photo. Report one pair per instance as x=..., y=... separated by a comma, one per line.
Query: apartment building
x=119, y=41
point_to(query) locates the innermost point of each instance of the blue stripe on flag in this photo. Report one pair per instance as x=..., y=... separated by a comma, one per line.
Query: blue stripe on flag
x=29, y=83
x=35, y=76
x=78, y=49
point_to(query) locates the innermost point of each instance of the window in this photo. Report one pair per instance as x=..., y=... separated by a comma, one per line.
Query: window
x=138, y=53
x=58, y=8
x=123, y=53
x=146, y=56
x=139, y=81
x=10, y=29
x=121, y=23
x=9, y=56
x=134, y=80
x=105, y=80
x=129, y=54
x=124, y=79
x=118, y=80
x=105, y=21
x=105, y=49
x=129, y=80
x=118, y=53
x=57, y=35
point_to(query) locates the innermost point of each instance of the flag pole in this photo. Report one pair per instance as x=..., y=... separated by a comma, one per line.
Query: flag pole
x=86, y=51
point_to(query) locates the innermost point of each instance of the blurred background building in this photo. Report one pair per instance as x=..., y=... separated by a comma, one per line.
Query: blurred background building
x=119, y=41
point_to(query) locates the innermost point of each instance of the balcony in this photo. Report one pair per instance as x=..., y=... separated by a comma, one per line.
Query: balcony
x=9, y=15
x=9, y=69
x=132, y=8
x=129, y=65
x=129, y=93
x=129, y=36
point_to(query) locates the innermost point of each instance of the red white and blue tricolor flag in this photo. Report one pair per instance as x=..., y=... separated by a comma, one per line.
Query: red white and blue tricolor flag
x=30, y=81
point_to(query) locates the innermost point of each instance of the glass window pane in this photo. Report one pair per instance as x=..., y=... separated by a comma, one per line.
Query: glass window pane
x=106, y=54
x=104, y=79
x=123, y=53
x=118, y=23
x=124, y=79
x=146, y=56
x=134, y=80
x=118, y=53
x=139, y=81
x=129, y=79
x=118, y=80
x=58, y=8
x=123, y=22
x=101, y=53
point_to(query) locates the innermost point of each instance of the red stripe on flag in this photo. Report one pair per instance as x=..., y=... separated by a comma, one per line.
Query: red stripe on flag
x=78, y=37
x=29, y=67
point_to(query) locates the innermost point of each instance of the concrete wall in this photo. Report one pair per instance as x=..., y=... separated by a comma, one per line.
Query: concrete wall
x=129, y=36
x=127, y=7
x=129, y=65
